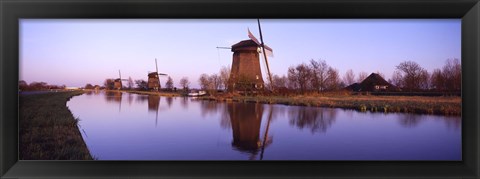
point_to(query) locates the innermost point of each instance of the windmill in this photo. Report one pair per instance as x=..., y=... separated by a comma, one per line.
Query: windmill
x=117, y=83
x=153, y=78
x=245, y=71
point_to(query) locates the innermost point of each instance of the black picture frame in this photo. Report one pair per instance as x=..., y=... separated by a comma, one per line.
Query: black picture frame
x=12, y=10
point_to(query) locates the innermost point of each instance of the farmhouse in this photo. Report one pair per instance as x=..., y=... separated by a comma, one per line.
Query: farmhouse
x=373, y=83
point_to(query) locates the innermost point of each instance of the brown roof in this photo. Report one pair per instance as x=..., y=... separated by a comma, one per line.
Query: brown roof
x=374, y=79
x=369, y=83
x=244, y=43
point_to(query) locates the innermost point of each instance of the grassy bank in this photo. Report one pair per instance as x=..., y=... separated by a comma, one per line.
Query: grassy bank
x=439, y=105
x=48, y=130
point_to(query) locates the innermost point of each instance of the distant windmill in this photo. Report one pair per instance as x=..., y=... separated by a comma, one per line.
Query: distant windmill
x=153, y=78
x=117, y=83
x=245, y=71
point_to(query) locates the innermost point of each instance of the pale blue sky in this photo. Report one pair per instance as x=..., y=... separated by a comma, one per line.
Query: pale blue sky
x=76, y=52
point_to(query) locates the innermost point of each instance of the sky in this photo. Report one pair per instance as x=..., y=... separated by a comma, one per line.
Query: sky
x=74, y=52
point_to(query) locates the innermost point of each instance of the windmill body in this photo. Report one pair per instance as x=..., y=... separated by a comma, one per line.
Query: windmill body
x=117, y=83
x=245, y=72
x=154, y=79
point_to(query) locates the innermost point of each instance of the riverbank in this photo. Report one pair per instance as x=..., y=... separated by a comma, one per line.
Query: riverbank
x=440, y=105
x=48, y=130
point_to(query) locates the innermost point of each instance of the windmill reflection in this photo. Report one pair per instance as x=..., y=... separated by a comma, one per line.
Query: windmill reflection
x=114, y=96
x=153, y=103
x=246, y=120
x=154, y=106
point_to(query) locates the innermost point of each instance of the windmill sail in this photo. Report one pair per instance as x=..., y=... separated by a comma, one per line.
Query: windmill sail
x=268, y=50
x=252, y=37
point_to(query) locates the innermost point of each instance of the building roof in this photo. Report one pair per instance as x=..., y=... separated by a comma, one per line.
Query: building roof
x=374, y=79
x=244, y=43
x=369, y=83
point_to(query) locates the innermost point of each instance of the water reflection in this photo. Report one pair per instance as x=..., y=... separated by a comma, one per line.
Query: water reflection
x=141, y=98
x=130, y=98
x=208, y=130
x=169, y=101
x=113, y=96
x=313, y=118
x=246, y=120
x=211, y=107
x=153, y=103
x=409, y=120
x=184, y=102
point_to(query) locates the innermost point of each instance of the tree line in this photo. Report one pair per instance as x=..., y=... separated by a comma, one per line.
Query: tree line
x=318, y=76
x=314, y=76
x=37, y=86
x=410, y=76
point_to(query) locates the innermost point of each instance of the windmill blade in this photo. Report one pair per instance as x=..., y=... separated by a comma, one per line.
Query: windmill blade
x=252, y=37
x=163, y=74
x=156, y=65
x=268, y=51
x=265, y=54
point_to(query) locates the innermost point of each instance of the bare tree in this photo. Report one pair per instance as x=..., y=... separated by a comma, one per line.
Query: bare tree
x=452, y=72
x=300, y=76
x=130, y=83
x=184, y=83
x=333, y=79
x=397, y=79
x=424, y=80
x=204, y=81
x=349, y=77
x=169, y=83
x=319, y=74
x=438, y=80
x=141, y=84
x=215, y=82
x=224, y=76
x=292, y=78
x=412, y=75
x=280, y=82
x=108, y=84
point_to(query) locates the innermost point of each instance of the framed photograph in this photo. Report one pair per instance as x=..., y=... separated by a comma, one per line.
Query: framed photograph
x=240, y=89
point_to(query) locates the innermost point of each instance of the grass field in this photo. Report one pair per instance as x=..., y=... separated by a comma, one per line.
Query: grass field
x=48, y=130
x=439, y=105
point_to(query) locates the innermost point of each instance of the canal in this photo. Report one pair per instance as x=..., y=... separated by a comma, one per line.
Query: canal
x=125, y=126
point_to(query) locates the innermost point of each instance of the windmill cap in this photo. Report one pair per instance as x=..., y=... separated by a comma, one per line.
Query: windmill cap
x=245, y=44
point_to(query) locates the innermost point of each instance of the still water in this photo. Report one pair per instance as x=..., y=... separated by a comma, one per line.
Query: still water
x=124, y=126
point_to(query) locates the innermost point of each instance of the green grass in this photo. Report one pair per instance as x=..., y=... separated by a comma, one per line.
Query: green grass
x=438, y=105
x=48, y=130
